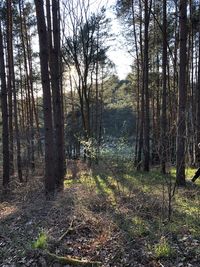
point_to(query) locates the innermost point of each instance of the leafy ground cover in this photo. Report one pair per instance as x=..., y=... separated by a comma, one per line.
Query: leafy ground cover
x=108, y=215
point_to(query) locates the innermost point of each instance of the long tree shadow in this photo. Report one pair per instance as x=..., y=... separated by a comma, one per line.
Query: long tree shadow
x=129, y=222
x=140, y=216
x=148, y=207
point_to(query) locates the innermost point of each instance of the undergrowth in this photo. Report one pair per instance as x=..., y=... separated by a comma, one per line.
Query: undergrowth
x=108, y=212
x=138, y=202
x=40, y=242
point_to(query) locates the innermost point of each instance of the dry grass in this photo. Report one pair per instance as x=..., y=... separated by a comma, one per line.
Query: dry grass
x=113, y=217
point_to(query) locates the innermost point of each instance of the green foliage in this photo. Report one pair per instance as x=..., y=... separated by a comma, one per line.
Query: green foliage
x=163, y=249
x=115, y=118
x=118, y=107
x=41, y=241
x=140, y=227
x=90, y=146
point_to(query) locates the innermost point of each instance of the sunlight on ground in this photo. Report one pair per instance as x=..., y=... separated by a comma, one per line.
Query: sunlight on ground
x=151, y=191
x=7, y=210
x=106, y=204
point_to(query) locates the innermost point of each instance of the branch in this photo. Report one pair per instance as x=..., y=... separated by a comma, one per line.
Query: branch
x=72, y=261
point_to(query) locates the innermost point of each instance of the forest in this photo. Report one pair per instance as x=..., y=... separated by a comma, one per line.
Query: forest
x=97, y=169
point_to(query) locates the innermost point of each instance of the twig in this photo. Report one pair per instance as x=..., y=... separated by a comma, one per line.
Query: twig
x=73, y=261
x=66, y=232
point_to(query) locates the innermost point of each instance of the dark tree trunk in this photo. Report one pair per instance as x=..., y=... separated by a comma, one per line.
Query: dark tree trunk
x=182, y=89
x=141, y=115
x=146, y=88
x=12, y=77
x=47, y=108
x=9, y=84
x=54, y=60
x=198, y=92
x=164, y=93
x=4, y=103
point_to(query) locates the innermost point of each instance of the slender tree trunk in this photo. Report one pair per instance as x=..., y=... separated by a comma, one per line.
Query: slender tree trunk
x=4, y=106
x=182, y=89
x=164, y=92
x=138, y=81
x=10, y=92
x=141, y=118
x=146, y=89
x=198, y=93
x=16, y=123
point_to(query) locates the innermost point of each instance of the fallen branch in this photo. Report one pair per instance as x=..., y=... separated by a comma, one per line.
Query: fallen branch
x=72, y=261
x=66, y=232
x=70, y=229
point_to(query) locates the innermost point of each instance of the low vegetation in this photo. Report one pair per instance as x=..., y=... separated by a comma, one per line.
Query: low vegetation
x=108, y=215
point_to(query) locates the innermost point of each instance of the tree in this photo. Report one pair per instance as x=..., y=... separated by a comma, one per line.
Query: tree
x=164, y=92
x=146, y=87
x=182, y=100
x=10, y=80
x=85, y=52
x=47, y=108
x=4, y=105
x=55, y=71
x=198, y=92
x=12, y=87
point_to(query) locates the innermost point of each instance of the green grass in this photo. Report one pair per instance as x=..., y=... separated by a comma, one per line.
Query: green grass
x=138, y=203
x=140, y=227
x=40, y=242
x=163, y=249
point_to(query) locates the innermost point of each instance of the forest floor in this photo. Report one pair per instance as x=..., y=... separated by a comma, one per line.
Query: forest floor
x=108, y=215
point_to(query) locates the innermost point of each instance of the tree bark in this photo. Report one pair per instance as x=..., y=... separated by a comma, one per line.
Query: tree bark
x=47, y=108
x=57, y=101
x=164, y=93
x=146, y=89
x=9, y=84
x=182, y=92
x=4, y=103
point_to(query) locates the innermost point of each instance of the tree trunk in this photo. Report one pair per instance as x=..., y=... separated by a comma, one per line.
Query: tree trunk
x=198, y=92
x=146, y=89
x=141, y=118
x=4, y=103
x=182, y=90
x=9, y=84
x=47, y=108
x=54, y=61
x=164, y=93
